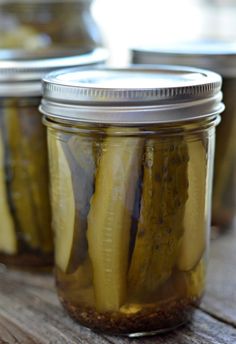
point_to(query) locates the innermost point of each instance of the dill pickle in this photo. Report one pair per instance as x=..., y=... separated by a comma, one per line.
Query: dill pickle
x=63, y=202
x=25, y=178
x=79, y=154
x=24, y=37
x=72, y=171
x=20, y=184
x=35, y=150
x=194, y=239
x=8, y=239
x=182, y=284
x=109, y=219
x=160, y=227
x=195, y=280
x=224, y=186
x=37, y=26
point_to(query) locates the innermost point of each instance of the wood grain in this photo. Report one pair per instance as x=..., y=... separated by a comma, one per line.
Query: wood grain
x=220, y=298
x=204, y=329
x=30, y=312
x=11, y=333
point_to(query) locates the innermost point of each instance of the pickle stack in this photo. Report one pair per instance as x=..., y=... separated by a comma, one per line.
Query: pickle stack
x=25, y=209
x=135, y=213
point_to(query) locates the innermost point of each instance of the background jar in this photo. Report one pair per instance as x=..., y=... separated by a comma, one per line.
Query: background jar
x=48, y=24
x=220, y=57
x=131, y=156
x=25, y=229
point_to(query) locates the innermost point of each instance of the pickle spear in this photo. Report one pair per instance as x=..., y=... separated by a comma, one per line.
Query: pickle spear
x=20, y=183
x=225, y=154
x=160, y=226
x=195, y=234
x=8, y=239
x=35, y=152
x=195, y=280
x=63, y=203
x=109, y=219
x=80, y=157
x=72, y=175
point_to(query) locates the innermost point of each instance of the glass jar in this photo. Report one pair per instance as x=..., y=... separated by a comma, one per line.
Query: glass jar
x=131, y=155
x=48, y=24
x=25, y=233
x=220, y=57
x=25, y=229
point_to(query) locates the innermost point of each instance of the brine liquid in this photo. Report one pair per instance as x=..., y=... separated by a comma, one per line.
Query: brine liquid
x=169, y=306
x=131, y=220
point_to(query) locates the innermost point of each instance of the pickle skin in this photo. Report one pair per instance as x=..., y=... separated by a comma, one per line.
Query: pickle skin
x=109, y=219
x=8, y=239
x=63, y=203
x=194, y=239
x=161, y=216
x=80, y=156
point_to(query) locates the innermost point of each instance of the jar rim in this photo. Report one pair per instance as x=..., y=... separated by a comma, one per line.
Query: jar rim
x=216, y=55
x=21, y=74
x=131, y=95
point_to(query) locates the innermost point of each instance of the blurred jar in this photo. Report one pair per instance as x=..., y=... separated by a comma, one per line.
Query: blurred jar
x=218, y=19
x=131, y=156
x=25, y=228
x=48, y=24
x=220, y=57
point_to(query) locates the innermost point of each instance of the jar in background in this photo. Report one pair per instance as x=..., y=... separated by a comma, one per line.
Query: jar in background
x=25, y=228
x=131, y=155
x=220, y=57
x=44, y=25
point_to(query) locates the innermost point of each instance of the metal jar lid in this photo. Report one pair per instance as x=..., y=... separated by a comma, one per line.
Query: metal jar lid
x=218, y=56
x=131, y=95
x=20, y=75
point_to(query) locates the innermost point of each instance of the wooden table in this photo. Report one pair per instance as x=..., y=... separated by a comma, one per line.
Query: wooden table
x=30, y=312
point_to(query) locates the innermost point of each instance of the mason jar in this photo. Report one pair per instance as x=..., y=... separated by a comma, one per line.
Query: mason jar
x=131, y=156
x=25, y=228
x=42, y=25
x=220, y=57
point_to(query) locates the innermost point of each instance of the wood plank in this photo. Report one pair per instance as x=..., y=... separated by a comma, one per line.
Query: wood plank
x=203, y=330
x=11, y=333
x=30, y=312
x=220, y=298
x=36, y=311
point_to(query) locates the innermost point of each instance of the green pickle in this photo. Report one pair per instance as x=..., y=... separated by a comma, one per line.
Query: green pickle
x=195, y=237
x=8, y=239
x=224, y=186
x=125, y=225
x=160, y=226
x=25, y=199
x=73, y=171
x=111, y=210
x=40, y=26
